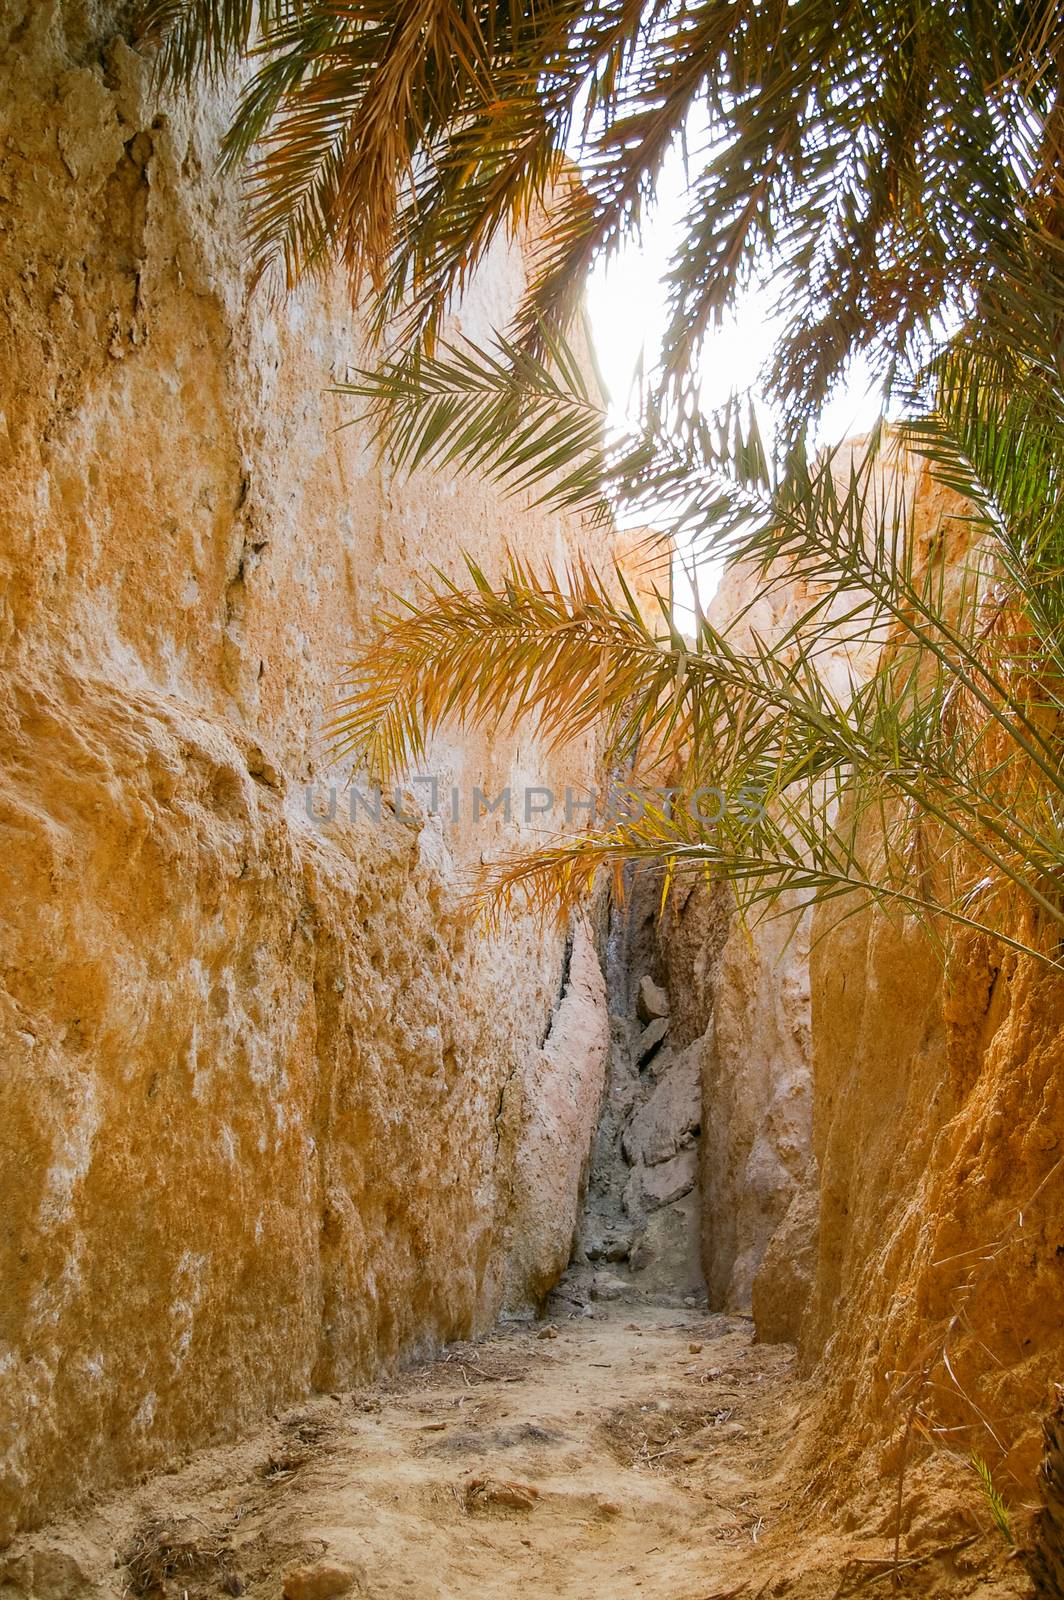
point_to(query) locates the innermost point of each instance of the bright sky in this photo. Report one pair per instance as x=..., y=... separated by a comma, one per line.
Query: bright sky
x=626, y=301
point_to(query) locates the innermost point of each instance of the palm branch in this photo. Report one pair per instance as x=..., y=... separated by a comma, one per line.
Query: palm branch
x=933, y=785
x=890, y=791
x=871, y=153
x=898, y=166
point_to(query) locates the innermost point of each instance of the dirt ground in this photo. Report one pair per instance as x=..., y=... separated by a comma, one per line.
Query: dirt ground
x=641, y=1451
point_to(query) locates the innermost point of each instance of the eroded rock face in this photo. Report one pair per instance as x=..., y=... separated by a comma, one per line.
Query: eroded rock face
x=882, y=1159
x=669, y=1180
x=562, y=1093
x=939, y=1135
x=757, y=1104
x=740, y=988
x=268, y=1098
x=783, y=1282
x=671, y=1115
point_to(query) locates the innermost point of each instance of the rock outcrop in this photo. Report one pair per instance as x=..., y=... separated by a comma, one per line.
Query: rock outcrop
x=741, y=987
x=938, y=1122
x=757, y=1108
x=561, y=1094
x=640, y=1227
x=939, y=1126
x=882, y=1150
x=269, y=1103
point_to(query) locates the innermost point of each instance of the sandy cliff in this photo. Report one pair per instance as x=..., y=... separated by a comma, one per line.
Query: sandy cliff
x=883, y=1158
x=265, y=1098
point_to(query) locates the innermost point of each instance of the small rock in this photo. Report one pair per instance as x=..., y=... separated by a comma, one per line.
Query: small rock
x=695, y=1349
x=506, y=1492
x=52, y=1573
x=652, y=1001
x=613, y=1247
x=669, y=1180
x=650, y=1038
x=609, y=1508
x=606, y=1287
x=263, y=770
x=319, y=1582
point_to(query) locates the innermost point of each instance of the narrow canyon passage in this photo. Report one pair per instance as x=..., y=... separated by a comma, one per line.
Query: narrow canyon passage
x=629, y=1442
x=633, y=1452
x=642, y=1450
x=641, y=1219
x=748, y=1213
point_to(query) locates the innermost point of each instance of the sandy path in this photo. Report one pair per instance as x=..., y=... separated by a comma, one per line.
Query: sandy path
x=631, y=1457
x=640, y=1453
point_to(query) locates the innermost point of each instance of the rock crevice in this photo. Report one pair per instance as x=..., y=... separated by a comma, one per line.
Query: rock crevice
x=641, y=1221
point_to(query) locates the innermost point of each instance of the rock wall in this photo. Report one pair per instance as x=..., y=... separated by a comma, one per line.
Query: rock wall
x=268, y=1101
x=938, y=1121
x=740, y=994
x=883, y=1161
x=939, y=1131
x=743, y=996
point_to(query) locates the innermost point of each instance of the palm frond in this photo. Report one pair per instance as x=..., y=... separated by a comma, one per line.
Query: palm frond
x=207, y=37
x=931, y=782
x=770, y=877
x=560, y=645
x=506, y=415
x=873, y=157
x=897, y=168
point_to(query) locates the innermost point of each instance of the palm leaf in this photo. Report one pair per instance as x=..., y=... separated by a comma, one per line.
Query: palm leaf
x=943, y=766
x=873, y=157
